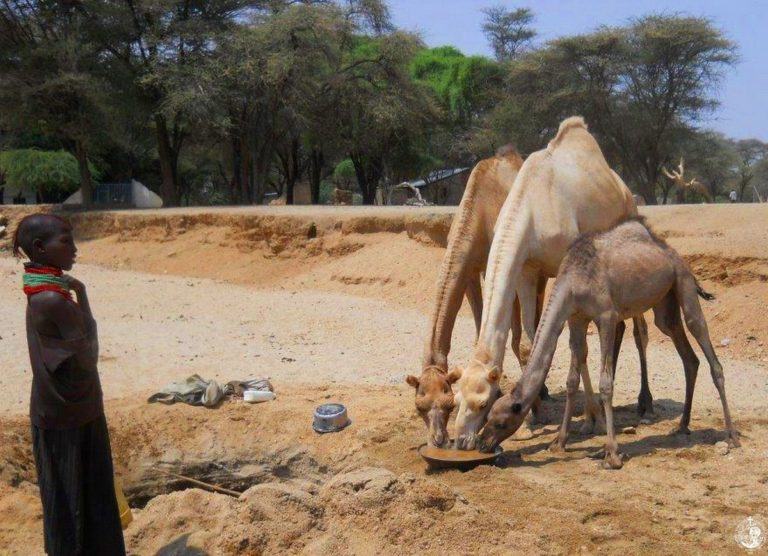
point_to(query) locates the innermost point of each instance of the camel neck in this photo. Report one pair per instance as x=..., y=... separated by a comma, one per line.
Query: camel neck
x=509, y=252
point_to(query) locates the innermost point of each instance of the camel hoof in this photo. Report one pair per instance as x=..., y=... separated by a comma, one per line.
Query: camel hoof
x=733, y=440
x=557, y=446
x=612, y=461
x=645, y=405
x=680, y=431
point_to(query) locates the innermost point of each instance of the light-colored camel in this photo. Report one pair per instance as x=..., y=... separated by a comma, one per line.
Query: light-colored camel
x=464, y=262
x=560, y=192
x=606, y=278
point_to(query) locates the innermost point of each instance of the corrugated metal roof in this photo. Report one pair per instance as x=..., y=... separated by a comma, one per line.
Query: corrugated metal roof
x=438, y=175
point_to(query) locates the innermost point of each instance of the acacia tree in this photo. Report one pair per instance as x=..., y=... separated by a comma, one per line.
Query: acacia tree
x=640, y=88
x=49, y=79
x=711, y=159
x=750, y=153
x=379, y=107
x=154, y=43
x=268, y=76
x=509, y=32
x=466, y=89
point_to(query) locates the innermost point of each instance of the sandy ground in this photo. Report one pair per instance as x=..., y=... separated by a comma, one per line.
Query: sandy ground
x=332, y=304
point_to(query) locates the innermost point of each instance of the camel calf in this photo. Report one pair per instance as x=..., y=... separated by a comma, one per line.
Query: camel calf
x=607, y=278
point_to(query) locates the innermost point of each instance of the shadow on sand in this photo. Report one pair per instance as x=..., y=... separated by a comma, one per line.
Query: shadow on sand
x=179, y=548
x=630, y=446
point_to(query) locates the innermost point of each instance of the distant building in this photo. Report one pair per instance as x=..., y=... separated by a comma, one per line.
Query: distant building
x=440, y=187
x=132, y=194
x=10, y=195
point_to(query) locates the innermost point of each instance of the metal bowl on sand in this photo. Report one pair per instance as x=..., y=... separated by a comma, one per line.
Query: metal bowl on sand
x=330, y=417
x=448, y=458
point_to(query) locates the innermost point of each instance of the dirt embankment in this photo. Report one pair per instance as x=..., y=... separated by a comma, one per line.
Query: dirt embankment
x=392, y=253
x=365, y=490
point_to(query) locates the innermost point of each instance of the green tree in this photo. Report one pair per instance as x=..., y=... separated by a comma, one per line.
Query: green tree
x=466, y=88
x=51, y=86
x=750, y=153
x=711, y=159
x=51, y=174
x=508, y=31
x=159, y=44
x=641, y=88
x=379, y=107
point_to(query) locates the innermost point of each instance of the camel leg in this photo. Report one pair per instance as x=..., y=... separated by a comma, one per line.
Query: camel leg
x=621, y=327
x=474, y=296
x=593, y=412
x=578, y=342
x=667, y=319
x=541, y=287
x=686, y=291
x=527, y=295
x=640, y=332
x=517, y=330
x=607, y=327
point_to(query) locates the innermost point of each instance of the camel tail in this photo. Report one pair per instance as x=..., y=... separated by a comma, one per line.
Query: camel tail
x=704, y=294
x=574, y=122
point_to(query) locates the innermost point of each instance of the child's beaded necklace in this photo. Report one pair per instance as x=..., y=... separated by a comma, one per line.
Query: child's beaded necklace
x=39, y=278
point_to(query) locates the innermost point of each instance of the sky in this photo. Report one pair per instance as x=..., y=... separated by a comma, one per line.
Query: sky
x=743, y=94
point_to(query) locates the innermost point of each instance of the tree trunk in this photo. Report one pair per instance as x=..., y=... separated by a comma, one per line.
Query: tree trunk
x=742, y=188
x=168, y=190
x=368, y=173
x=315, y=174
x=246, y=178
x=647, y=188
x=86, y=189
x=292, y=171
x=261, y=166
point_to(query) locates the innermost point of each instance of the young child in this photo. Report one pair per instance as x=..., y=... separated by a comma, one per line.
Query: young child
x=69, y=429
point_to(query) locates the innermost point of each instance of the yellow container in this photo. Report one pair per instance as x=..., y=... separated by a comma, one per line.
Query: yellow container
x=122, y=505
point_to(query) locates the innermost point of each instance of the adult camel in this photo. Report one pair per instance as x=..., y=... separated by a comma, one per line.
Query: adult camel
x=464, y=262
x=560, y=193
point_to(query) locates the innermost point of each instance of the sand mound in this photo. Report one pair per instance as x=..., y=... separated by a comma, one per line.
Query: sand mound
x=366, y=510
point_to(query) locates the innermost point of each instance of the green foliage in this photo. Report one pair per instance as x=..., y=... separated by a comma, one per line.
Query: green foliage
x=43, y=171
x=344, y=172
x=464, y=85
x=326, y=192
x=710, y=158
x=640, y=87
x=508, y=31
x=217, y=101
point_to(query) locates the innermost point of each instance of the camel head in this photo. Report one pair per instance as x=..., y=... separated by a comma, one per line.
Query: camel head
x=504, y=419
x=434, y=401
x=478, y=389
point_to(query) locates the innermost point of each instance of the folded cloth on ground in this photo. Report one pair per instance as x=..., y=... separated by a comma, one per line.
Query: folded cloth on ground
x=196, y=390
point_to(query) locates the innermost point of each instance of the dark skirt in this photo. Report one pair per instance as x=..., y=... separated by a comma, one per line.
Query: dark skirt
x=74, y=470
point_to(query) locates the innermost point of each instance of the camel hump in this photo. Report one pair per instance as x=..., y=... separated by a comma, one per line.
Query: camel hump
x=568, y=124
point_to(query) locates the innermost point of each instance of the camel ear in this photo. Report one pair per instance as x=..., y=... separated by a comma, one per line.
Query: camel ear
x=454, y=375
x=412, y=380
x=517, y=408
x=494, y=374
